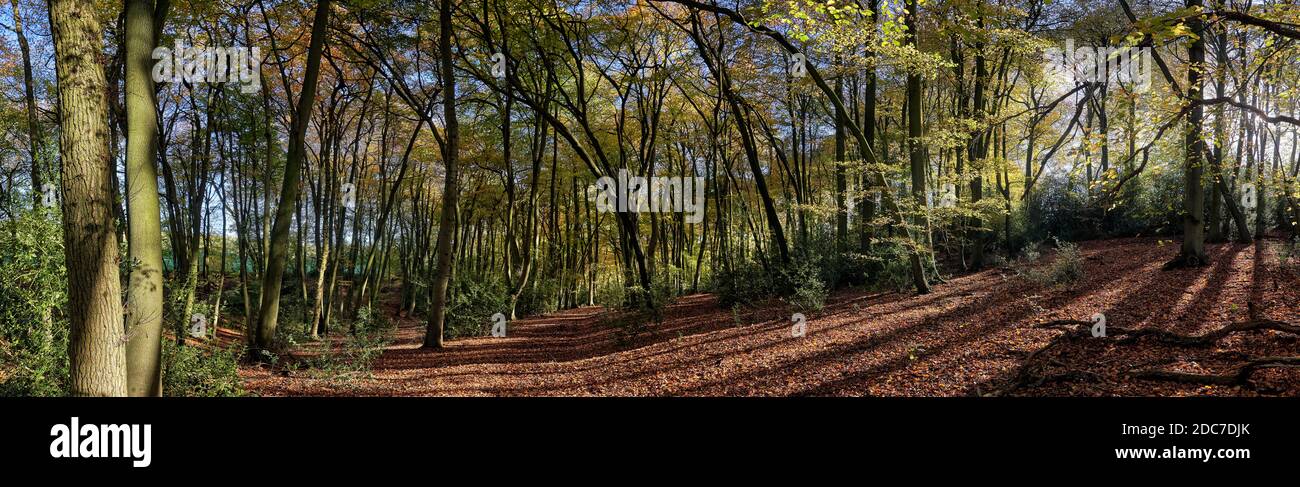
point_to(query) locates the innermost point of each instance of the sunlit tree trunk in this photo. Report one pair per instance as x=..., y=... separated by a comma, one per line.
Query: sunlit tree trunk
x=867, y=207
x=97, y=358
x=29, y=97
x=841, y=178
x=144, y=294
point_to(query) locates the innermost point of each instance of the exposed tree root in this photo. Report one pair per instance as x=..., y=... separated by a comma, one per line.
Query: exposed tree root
x=1185, y=261
x=1216, y=335
x=1031, y=373
x=1063, y=323
x=1240, y=377
x=1178, y=338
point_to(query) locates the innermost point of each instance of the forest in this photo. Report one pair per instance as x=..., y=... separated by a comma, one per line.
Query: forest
x=650, y=198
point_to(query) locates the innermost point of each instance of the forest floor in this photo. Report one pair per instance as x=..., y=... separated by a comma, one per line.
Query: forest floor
x=976, y=334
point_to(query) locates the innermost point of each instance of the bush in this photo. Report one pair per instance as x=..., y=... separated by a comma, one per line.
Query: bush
x=1066, y=268
x=190, y=372
x=473, y=302
x=33, y=329
x=610, y=293
x=1056, y=207
x=372, y=334
x=356, y=356
x=669, y=282
x=290, y=333
x=892, y=268
x=801, y=284
x=370, y=321
x=744, y=284
x=850, y=269
x=539, y=297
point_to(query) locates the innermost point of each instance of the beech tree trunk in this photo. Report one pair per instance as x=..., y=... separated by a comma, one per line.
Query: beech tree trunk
x=1193, y=248
x=438, y=291
x=268, y=313
x=144, y=295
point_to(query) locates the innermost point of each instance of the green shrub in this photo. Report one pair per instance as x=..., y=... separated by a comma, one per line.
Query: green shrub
x=357, y=354
x=539, y=297
x=892, y=268
x=1058, y=206
x=1031, y=253
x=370, y=320
x=744, y=284
x=801, y=284
x=997, y=260
x=33, y=328
x=473, y=302
x=362, y=350
x=374, y=333
x=290, y=333
x=1066, y=268
x=611, y=293
x=195, y=372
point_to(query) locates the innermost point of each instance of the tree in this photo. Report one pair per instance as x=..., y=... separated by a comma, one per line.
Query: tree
x=269, y=312
x=34, y=137
x=1192, y=252
x=442, y=272
x=144, y=294
x=867, y=208
x=97, y=358
x=916, y=152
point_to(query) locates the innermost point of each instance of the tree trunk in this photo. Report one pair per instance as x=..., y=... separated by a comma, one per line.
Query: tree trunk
x=97, y=359
x=268, y=312
x=144, y=294
x=29, y=96
x=916, y=151
x=438, y=289
x=867, y=210
x=1193, y=248
x=841, y=178
x=979, y=150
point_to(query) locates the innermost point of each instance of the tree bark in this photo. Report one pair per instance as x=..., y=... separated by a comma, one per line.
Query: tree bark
x=97, y=359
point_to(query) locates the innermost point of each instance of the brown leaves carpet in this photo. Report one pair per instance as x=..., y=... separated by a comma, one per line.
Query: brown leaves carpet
x=970, y=336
